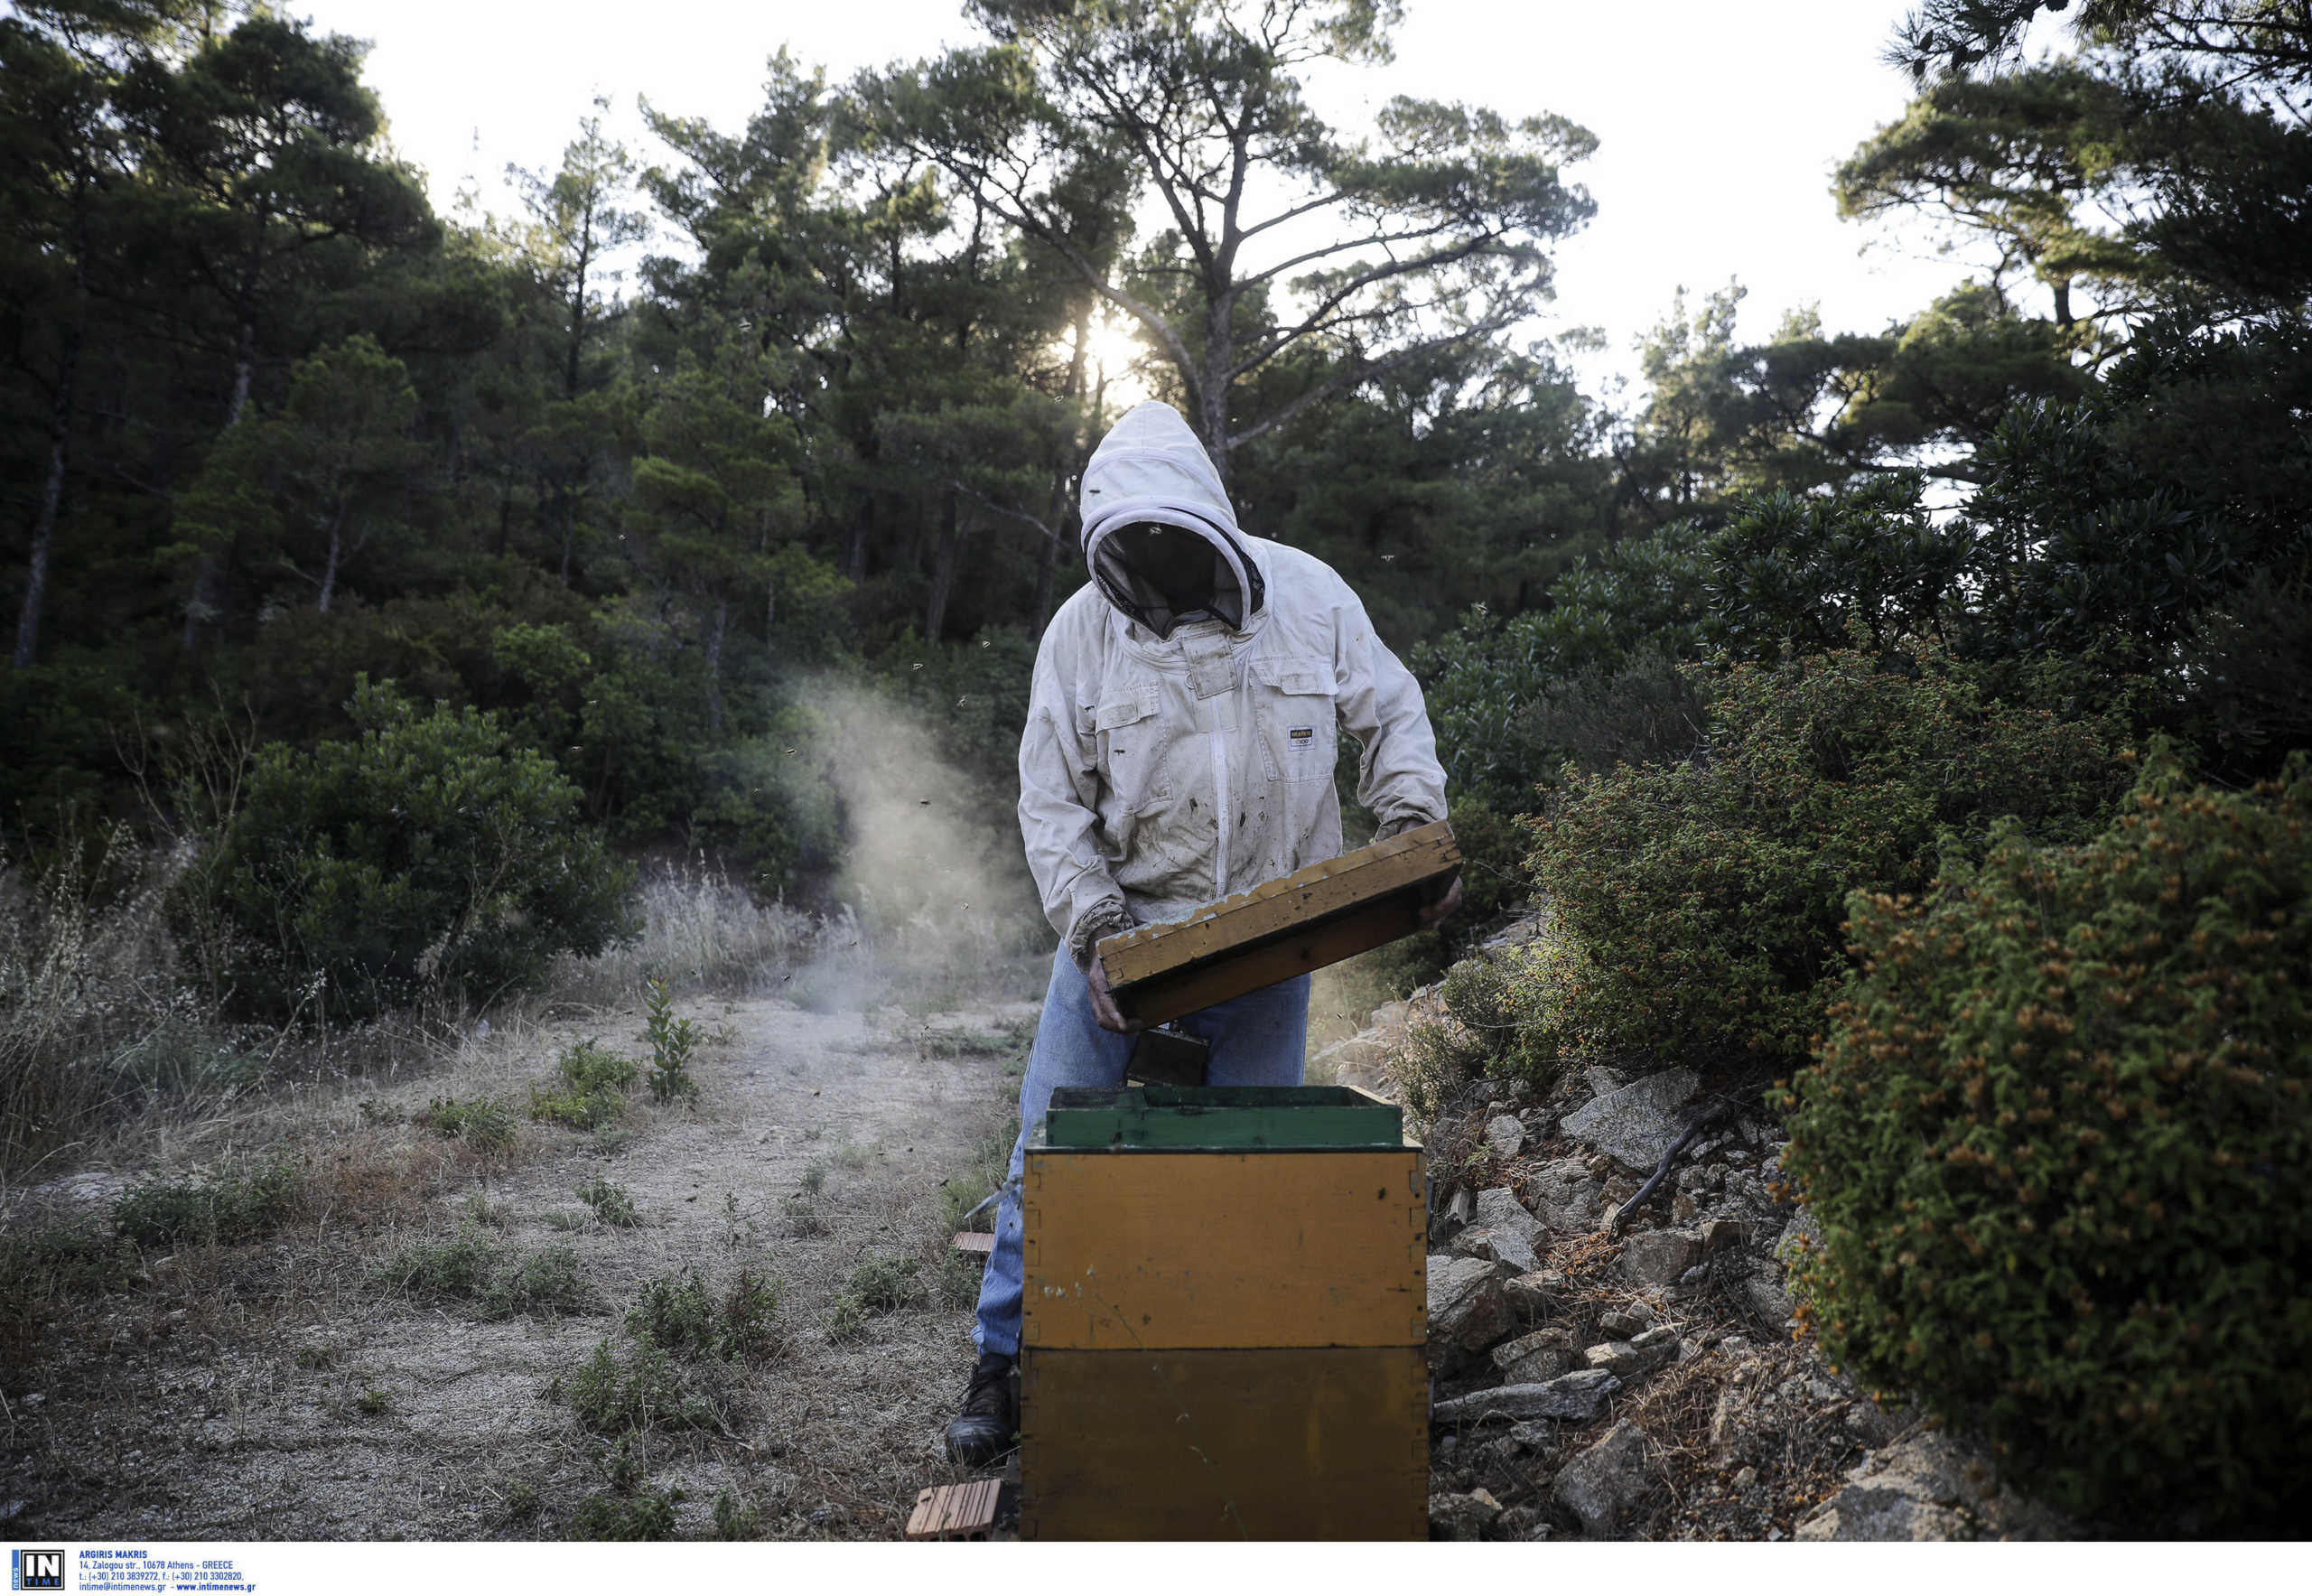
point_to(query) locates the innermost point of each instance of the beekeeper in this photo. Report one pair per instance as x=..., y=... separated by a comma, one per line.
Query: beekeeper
x=1179, y=745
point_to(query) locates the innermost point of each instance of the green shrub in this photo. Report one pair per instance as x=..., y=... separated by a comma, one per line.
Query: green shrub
x=2059, y=1146
x=1696, y=906
x=462, y=1267
x=591, y=1095
x=42, y=1267
x=612, y=1203
x=430, y=855
x=650, y=1517
x=672, y=1042
x=735, y=1517
x=1437, y=1062
x=680, y=1313
x=471, y=1267
x=1512, y=700
x=544, y=1283
x=479, y=1122
x=882, y=1284
x=235, y=1207
x=1493, y=880
x=643, y=1390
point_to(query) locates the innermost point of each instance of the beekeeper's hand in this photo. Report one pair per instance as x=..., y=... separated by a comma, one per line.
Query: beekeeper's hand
x=1445, y=906
x=1104, y=1006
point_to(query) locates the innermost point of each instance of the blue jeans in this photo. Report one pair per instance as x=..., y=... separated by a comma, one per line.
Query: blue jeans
x=1258, y=1040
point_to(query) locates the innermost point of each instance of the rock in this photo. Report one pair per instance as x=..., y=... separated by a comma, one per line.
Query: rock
x=1657, y=1257
x=1733, y=1432
x=1516, y=934
x=1535, y=1296
x=1566, y=1196
x=1930, y=1487
x=1466, y=1310
x=1533, y=1358
x=1603, y=1081
x=1801, y=1234
x=1500, y=1247
x=1360, y=1060
x=1873, y=1425
x=1453, y=1216
x=1533, y=1435
x=1505, y=1136
x=1636, y=1123
x=1767, y=1299
x=1580, y=1395
x=1622, y=1323
x=1632, y=1359
x=1605, y=1481
x=1522, y=1523
x=1661, y=1335
x=1498, y=1208
x=1456, y=1517
x=1682, y=1208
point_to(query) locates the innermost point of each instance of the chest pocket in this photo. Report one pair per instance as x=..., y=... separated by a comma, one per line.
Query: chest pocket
x=1298, y=724
x=1132, y=747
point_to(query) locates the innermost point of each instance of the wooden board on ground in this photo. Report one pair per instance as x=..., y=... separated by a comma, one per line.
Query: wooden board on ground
x=978, y=1244
x=1224, y=1443
x=1288, y=926
x=965, y=1512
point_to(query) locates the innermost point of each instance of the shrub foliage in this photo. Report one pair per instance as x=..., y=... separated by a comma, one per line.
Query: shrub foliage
x=2058, y=1142
x=1699, y=903
x=431, y=854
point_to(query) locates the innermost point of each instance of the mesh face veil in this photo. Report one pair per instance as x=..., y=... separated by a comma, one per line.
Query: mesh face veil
x=1161, y=574
x=1159, y=534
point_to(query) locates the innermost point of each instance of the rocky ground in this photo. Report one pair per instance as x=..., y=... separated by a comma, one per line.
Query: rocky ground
x=1641, y=1379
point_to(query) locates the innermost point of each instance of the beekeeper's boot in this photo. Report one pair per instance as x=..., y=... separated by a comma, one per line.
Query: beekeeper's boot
x=984, y=1430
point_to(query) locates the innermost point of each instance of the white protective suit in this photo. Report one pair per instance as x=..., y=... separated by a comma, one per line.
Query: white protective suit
x=1157, y=775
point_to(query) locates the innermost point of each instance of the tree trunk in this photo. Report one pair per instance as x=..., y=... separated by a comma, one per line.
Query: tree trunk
x=1212, y=392
x=203, y=603
x=714, y=634
x=336, y=554
x=942, y=569
x=52, y=497
x=854, y=559
x=1059, y=516
x=566, y=510
x=578, y=304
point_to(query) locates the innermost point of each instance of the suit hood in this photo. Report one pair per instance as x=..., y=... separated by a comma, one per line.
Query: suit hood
x=1152, y=468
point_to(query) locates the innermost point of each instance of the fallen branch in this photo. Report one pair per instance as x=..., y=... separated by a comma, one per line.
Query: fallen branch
x=1710, y=1115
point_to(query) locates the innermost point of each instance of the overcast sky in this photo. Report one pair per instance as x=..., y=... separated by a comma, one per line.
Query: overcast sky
x=1719, y=124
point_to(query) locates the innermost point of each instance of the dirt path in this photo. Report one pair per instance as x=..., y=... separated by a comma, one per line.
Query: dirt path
x=280, y=1390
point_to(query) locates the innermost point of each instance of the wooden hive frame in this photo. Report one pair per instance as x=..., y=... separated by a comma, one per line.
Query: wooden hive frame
x=1281, y=929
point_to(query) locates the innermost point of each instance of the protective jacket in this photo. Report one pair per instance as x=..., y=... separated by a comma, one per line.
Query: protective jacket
x=1159, y=773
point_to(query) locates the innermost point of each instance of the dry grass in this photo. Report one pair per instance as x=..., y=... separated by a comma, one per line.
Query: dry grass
x=94, y=1007
x=703, y=935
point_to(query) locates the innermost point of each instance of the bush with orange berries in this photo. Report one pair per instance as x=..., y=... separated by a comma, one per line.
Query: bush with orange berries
x=2059, y=1144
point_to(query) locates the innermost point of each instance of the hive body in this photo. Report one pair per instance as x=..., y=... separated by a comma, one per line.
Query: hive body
x=1223, y=1321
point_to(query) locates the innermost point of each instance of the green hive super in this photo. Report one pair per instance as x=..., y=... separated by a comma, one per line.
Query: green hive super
x=1225, y=1317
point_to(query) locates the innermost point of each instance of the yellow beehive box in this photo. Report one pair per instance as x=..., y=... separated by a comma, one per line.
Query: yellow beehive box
x=1224, y=1318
